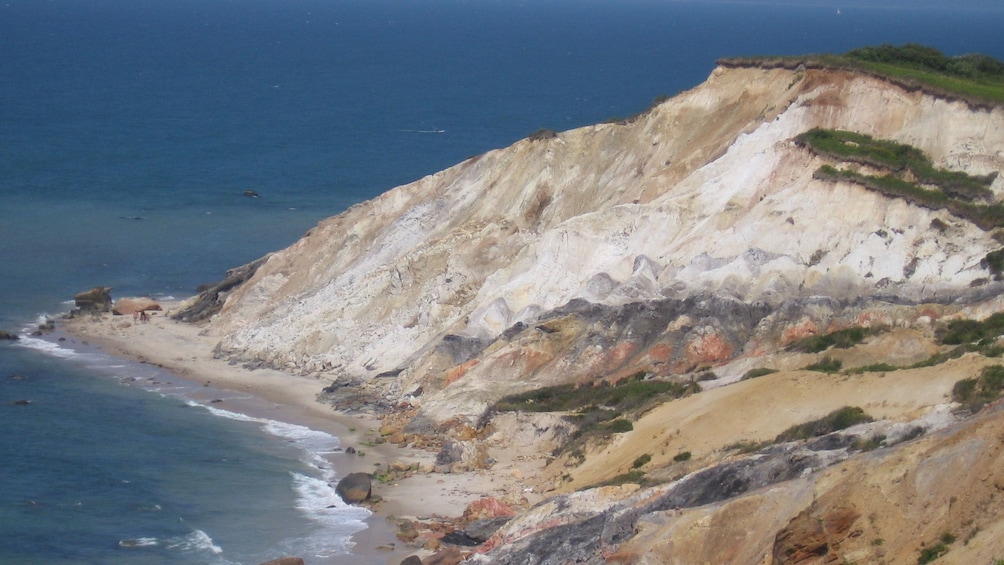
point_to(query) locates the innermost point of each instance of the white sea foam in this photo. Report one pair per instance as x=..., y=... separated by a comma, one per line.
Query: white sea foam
x=321, y=504
x=310, y=440
x=196, y=541
x=315, y=496
x=47, y=347
x=139, y=542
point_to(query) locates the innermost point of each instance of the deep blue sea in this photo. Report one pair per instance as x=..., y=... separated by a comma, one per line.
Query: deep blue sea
x=129, y=131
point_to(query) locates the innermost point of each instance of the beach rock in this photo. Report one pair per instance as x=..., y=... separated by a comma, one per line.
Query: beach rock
x=98, y=299
x=481, y=530
x=412, y=560
x=128, y=306
x=355, y=488
x=406, y=531
x=448, y=556
x=285, y=561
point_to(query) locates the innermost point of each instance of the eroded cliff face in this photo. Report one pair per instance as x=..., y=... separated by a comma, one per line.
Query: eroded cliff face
x=529, y=265
x=694, y=236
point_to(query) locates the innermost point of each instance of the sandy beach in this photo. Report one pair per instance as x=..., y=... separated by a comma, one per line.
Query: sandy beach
x=183, y=350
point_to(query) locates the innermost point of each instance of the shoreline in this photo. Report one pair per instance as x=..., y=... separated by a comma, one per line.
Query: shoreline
x=183, y=351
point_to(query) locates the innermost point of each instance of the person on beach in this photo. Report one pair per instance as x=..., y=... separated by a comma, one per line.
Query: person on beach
x=143, y=317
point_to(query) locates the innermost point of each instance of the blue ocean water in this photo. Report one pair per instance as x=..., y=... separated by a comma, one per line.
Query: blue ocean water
x=130, y=130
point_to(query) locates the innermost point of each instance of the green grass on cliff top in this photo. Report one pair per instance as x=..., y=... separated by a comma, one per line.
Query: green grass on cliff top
x=975, y=78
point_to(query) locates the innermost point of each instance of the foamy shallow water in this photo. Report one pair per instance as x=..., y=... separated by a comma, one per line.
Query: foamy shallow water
x=293, y=510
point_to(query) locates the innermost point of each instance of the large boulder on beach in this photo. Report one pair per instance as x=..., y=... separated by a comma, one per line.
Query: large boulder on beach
x=285, y=561
x=355, y=488
x=98, y=299
x=128, y=306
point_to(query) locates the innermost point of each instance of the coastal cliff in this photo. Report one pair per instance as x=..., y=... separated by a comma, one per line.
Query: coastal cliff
x=688, y=245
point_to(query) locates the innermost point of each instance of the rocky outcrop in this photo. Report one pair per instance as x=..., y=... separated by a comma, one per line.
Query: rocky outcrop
x=98, y=299
x=210, y=300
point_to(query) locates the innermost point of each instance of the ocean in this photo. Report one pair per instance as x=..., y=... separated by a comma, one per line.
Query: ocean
x=129, y=133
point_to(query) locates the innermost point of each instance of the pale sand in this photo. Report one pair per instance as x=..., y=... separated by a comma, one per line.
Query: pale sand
x=182, y=350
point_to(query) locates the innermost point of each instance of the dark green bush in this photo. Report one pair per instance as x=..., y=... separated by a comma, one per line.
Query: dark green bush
x=619, y=426
x=825, y=365
x=839, y=419
x=840, y=339
x=931, y=553
x=873, y=368
x=958, y=332
x=760, y=372
x=976, y=393
x=641, y=461
x=994, y=262
x=680, y=457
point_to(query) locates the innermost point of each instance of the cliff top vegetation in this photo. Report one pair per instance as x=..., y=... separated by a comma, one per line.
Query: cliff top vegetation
x=975, y=78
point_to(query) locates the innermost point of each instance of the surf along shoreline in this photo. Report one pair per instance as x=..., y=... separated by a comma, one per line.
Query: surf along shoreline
x=185, y=351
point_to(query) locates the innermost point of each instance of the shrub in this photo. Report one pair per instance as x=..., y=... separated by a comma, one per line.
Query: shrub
x=746, y=446
x=761, y=372
x=929, y=554
x=873, y=368
x=641, y=461
x=632, y=476
x=994, y=262
x=840, y=339
x=958, y=332
x=974, y=394
x=825, y=365
x=543, y=134
x=839, y=419
x=680, y=457
x=620, y=426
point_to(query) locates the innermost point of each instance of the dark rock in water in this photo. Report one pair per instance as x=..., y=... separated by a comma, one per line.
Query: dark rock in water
x=8, y=336
x=285, y=561
x=481, y=530
x=251, y=194
x=210, y=301
x=98, y=299
x=412, y=560
x=355, y=488
x=21, y=402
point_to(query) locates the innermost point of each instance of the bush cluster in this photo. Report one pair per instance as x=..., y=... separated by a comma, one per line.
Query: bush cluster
x=839, y=419
x=975, y=393
x=957, y=332
x=840, y=339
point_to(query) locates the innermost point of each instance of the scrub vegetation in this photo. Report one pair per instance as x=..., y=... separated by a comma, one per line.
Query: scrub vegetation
x=974, y=78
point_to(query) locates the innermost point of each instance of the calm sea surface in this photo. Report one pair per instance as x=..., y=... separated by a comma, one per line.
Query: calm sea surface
x=129, y=132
